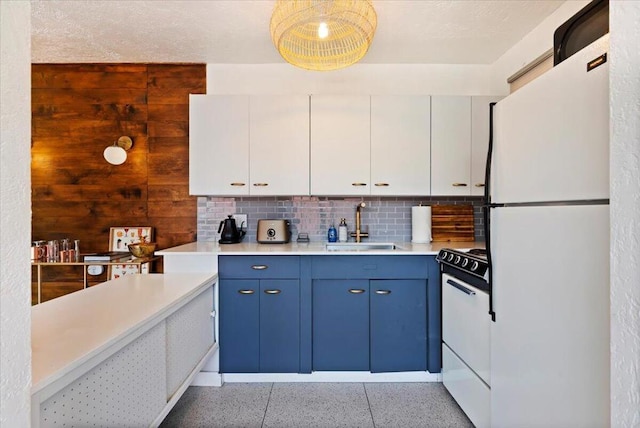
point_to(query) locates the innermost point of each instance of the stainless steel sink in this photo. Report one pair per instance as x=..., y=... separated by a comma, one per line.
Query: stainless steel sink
x=361, y=246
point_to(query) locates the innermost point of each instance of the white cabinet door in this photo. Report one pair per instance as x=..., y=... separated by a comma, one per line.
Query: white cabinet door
x=279, y=145
x=479, y=141
x=450, y=145
x=400, y=145
x=218, y=144
x=340, y=145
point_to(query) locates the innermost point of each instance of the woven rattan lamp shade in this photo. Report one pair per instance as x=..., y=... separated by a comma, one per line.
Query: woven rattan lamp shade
x=347, y=26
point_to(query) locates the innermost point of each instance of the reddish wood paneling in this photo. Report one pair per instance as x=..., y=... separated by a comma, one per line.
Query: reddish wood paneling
x=80, y=109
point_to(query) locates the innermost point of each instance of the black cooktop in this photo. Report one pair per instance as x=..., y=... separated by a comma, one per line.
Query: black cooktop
x=481, y=252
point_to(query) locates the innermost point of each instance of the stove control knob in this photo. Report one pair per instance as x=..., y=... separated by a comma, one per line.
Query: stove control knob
x=443, y=255
x=457, y=260
x=450, y=258
x=474, y=266
x=465, y=262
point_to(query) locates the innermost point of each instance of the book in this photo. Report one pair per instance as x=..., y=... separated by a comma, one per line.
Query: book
x=108, y=256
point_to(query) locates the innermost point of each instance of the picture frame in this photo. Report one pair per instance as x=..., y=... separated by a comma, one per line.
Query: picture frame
x=119, y=239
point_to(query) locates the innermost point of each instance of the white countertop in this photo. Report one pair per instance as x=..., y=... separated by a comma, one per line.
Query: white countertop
x=313, y=248
x=72, y=329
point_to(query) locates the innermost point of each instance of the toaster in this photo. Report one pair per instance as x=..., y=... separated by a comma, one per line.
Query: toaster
x=273, y=231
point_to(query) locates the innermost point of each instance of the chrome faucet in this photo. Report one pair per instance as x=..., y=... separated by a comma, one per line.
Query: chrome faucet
x=359, y=234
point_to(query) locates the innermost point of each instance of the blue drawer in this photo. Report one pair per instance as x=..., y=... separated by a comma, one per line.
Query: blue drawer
x=370, y=267
x=258, y=267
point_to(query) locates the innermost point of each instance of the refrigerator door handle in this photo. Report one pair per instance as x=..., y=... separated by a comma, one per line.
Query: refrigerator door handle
x=485, y=210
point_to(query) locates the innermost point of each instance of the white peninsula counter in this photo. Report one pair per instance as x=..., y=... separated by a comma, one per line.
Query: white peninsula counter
x=120, y=353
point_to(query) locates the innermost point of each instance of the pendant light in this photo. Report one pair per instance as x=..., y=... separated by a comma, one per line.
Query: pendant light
x=323, y=34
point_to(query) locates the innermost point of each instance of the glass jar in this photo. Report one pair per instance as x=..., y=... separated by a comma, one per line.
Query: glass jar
x=64, y=250
x=76, y=251
x=53, y=250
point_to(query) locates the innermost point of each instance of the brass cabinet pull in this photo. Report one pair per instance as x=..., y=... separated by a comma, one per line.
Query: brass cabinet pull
x=237, y=184
x=383, y=292
x=356, y=290
x=358, y=184
x=259, y=267
x=272, y=291
x=459, y=184
x=260, y=184
x=245, y=291
x=382, y=184
x=479, y=184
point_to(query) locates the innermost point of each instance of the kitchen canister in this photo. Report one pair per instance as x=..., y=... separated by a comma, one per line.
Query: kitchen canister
x=421, y=224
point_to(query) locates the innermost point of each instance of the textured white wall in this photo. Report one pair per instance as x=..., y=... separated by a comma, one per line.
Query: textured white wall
x=380, y=79
x=531, y=46
x=15, y=220
x=625, y=213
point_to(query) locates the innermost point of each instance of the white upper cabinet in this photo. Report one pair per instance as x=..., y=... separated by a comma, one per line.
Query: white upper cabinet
x=479, y=141
x=248, y=145
x=219, y=145
x=400, y=145
x=450, y=145
x=279, y=145
x=340, y=145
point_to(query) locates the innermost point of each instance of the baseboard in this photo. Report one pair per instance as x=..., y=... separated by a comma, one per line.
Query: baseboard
x=332, y=377
x=207, y=379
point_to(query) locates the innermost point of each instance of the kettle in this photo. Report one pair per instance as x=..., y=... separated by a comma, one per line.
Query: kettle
x=229, y=231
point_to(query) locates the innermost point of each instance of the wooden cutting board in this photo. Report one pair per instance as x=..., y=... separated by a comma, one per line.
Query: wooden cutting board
x=452, y=223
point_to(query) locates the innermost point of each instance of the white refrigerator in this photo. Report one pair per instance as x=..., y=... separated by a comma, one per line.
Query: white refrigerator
x=548, y=241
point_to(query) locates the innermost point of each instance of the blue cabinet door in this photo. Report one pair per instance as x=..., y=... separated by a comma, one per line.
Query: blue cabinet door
x=239, y=325
x=398, y=325
x=279, y=326
x=340, y=325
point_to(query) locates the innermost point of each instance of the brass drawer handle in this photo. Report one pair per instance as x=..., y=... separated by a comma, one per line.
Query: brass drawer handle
x=459, y=184
x=479, y=184
x=237, y=184
x=259, y=267
x=358, y=184
x=261, y=184
x=245, y=291
x=382, y=184
x=272, y=291
x=383, y=292
x=356, y=290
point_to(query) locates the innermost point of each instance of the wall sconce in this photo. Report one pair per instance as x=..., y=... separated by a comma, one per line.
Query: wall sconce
x=117, y=154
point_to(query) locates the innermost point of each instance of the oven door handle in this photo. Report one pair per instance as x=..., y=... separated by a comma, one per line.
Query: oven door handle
x=461, y=287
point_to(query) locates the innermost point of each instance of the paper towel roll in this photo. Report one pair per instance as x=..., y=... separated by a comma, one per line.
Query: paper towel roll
x=421, y=225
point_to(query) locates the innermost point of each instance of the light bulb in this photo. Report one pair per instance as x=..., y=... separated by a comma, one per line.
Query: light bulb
x=323, y=30
x=115, y=155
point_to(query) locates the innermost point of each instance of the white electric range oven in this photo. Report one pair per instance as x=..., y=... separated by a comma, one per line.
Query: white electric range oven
x=466, y=326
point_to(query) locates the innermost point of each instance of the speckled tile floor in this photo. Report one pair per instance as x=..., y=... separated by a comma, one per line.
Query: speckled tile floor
x=406, y=405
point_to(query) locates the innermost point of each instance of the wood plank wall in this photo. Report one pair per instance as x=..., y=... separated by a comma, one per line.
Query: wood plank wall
x=80, y=109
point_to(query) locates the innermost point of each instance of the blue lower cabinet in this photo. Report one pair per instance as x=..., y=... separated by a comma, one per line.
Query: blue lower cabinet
x=398, y=321
x=259, y=326
x=340, y=325
x=239, y=326
x=279, y=326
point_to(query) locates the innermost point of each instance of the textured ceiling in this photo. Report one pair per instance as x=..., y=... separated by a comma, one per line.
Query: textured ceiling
x=237, y=31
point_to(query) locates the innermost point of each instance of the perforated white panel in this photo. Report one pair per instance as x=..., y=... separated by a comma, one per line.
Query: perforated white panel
x=127, y=390
x=189, y=337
